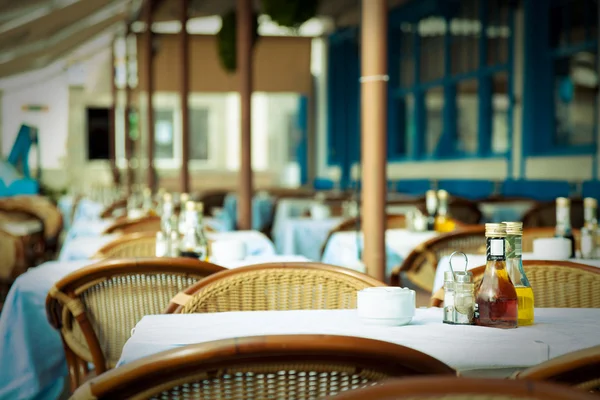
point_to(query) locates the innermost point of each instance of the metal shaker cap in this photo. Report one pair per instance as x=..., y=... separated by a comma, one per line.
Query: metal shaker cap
x=448, y=276
x=464, y=277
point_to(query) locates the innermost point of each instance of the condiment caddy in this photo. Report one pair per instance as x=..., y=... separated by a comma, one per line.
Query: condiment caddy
x=503, y=298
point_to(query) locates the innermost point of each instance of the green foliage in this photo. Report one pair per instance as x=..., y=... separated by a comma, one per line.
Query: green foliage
x=226, y=40
x=290, y=13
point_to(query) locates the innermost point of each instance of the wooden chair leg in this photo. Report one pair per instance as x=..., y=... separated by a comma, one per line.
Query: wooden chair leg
x=73, y=367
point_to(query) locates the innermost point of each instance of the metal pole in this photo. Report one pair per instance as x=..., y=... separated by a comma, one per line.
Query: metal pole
x=150, y=178
x=373, y=131
x=113, y=116
x=184, y=94
x=128, y=141
x=244, y=66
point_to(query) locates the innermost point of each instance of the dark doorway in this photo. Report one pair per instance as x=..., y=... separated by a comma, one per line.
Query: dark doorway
x=98, y=131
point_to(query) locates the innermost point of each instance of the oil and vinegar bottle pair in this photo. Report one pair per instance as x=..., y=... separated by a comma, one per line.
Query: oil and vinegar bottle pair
x=504, y=298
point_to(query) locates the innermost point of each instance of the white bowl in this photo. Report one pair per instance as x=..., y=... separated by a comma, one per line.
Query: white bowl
x=388, y=306
x=228, y=250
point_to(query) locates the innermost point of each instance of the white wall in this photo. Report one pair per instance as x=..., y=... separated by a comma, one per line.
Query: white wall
x=37, y=89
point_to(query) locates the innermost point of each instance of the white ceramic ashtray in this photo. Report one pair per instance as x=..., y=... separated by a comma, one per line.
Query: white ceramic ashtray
x=552, y=248
x=319, y=211
x=389, y=306
x=228, y=250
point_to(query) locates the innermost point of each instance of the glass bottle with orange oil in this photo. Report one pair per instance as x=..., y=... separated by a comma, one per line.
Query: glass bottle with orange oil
x=443, y=222
x=514, y=264
x=496, y=303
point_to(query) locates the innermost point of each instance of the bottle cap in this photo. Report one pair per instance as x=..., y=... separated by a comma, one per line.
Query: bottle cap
x=495, y=230
x=430, y=193
x=590, y=202
x=442, y=194
x=167, y=197
x=190, y=206
x=563, y=201
x=514, y=228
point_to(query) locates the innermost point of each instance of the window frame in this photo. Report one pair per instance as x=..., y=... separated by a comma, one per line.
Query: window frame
x=447, y=146
x=215, y=104
x=539, y=108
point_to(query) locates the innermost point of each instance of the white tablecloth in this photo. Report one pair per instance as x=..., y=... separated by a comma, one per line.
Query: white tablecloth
x=286, y=209
x=476, y=260
x=32, y=361
x=465, y=348
x=304, y=236
x=84, y=247
x=342, y=248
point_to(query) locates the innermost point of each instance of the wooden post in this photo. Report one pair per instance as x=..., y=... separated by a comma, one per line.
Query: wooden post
x=373, y=132
x=128, y=141
x=149, y=61
x=113, y=117
x=184, y=95
x=244, y=67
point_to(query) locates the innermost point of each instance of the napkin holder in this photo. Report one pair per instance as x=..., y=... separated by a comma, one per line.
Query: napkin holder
x=387, y=306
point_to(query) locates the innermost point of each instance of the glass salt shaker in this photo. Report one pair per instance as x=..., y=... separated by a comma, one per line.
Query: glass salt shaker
x=463, y=292
x=448, y=297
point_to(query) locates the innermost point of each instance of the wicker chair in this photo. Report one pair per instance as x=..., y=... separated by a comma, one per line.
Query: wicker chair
x=530, y=234
x=14, y=262
x=96, y=307
x=420, y=265
x=544, y=215
x=446, y=388
x=580, y=369
x=40, y=207
x=110, y=210
x=213, y=199
x=555, y=284
x=393, y=221
x=274, y=286
x=262, y=367
x=141, y=244
x=144, y=224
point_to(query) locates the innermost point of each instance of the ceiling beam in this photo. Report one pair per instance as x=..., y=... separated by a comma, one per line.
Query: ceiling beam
x=23, y=13
x=46, y=56
x=98, y=17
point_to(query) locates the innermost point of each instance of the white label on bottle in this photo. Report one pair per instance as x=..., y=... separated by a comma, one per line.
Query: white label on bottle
x=497, y=247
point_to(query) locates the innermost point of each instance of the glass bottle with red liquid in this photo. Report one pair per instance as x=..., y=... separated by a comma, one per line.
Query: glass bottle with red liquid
x=496, y=298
